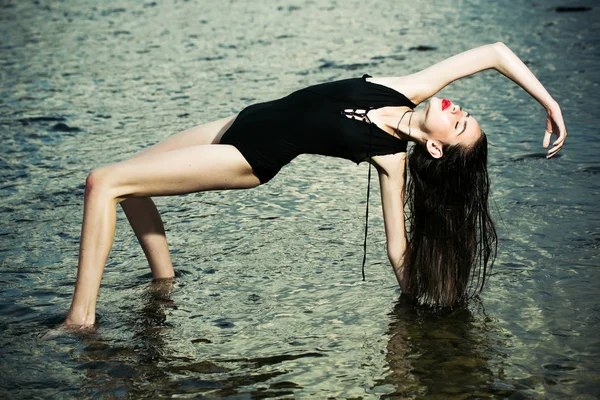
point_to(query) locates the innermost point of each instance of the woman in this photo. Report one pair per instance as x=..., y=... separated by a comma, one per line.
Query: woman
x=451, y=234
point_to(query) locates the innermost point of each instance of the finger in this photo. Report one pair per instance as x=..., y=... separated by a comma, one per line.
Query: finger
x=556, y=147
x=553, y=151
x=547, y=137
x=561, y=138
x=551, y=154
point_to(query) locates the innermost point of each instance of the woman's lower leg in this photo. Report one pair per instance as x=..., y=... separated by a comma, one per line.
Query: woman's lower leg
x=97, y=233
x=148, y=227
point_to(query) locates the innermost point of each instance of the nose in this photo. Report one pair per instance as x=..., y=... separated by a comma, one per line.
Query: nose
x=456, y=109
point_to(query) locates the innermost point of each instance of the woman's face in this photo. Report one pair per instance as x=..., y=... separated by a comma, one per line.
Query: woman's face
x=449, y=123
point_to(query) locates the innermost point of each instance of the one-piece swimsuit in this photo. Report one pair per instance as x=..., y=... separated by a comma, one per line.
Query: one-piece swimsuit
x=315, y=120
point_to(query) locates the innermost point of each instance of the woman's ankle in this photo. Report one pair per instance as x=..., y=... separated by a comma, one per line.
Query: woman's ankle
x=81, y=319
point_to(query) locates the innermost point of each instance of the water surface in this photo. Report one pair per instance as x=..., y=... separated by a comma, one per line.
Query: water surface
x=268, y=301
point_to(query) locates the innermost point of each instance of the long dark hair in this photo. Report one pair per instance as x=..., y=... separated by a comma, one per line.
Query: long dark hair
x=452, y=241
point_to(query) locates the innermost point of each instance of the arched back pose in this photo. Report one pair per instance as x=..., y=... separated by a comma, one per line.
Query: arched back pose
x=451, y=236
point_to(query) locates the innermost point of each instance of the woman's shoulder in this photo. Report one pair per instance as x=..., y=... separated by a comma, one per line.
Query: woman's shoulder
x=391, y=165
x=402, y=84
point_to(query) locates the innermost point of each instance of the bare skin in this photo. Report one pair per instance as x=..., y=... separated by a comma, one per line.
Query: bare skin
x=190, y=161
x=194, y=161
x=141, y=212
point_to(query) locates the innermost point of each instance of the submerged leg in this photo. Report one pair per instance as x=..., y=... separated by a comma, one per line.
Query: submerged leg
x=186, y=170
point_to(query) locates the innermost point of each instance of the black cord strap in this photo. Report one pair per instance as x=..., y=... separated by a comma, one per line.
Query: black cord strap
x=367, y=214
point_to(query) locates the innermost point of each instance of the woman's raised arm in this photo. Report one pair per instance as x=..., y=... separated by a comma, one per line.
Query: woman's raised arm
x=513, y=68
x=423, y=84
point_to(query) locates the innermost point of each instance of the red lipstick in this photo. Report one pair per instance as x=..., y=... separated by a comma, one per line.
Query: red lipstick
x=445, y=104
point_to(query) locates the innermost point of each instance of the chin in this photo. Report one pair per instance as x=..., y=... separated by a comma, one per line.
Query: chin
x=433, y=104
x=429, y=104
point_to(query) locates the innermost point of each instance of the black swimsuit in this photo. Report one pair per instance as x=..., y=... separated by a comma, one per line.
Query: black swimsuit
x=315, y=121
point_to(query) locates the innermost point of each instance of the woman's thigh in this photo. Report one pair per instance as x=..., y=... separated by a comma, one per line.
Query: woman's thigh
x=209, y=133
x=184, y=170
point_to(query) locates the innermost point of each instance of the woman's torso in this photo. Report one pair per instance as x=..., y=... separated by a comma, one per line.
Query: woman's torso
x=312, y=121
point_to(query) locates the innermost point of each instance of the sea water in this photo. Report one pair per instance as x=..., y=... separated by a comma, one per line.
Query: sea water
x=268, y=300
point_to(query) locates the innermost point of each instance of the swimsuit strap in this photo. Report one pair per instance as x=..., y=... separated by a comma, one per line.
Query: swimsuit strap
x=367, y=210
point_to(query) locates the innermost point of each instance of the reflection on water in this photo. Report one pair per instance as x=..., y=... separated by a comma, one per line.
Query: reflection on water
x=268, y=300
x=445, y=353
x=145, y=364
x=114, y=368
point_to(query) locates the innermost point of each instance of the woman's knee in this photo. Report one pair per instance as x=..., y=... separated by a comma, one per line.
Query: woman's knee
x=98, y=182
x=137, y=203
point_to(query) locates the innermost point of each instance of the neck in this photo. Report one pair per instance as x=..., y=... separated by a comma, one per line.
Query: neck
x=397, y=120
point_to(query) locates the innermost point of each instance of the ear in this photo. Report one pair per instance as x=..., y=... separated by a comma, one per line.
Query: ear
x=435, y=148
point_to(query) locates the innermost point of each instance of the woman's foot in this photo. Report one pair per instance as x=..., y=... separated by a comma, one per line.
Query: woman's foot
x=77, y=319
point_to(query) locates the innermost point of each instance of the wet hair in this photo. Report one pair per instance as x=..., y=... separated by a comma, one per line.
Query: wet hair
x=452, y=241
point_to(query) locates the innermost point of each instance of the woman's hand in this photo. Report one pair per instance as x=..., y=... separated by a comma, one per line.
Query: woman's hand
x=554, y=126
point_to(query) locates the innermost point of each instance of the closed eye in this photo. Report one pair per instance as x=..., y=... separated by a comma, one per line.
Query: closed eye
x=465, y=127
x=456, y=126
